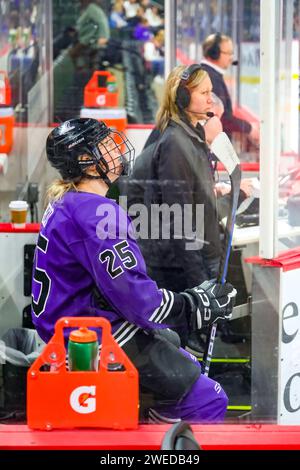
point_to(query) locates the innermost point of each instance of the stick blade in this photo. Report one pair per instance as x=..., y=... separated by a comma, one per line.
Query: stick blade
x=224, y=151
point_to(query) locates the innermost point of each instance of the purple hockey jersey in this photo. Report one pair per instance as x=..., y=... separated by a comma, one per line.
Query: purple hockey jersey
x=86, y=251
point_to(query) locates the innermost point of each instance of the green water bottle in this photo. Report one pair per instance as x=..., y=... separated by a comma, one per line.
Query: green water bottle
x=83, y=350
x=111, y=85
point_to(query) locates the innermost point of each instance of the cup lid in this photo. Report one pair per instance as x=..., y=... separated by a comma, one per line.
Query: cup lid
x=18, y=205
x=83, y=335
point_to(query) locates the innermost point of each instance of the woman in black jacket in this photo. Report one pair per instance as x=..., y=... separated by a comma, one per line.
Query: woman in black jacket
x=176, y=171
x=182, y=175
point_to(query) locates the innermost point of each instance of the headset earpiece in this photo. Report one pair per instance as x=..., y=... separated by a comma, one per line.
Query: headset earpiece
x=214, y=51
x=183, y=96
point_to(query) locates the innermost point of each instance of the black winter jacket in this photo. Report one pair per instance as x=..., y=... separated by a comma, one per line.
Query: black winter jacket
x=176, y=170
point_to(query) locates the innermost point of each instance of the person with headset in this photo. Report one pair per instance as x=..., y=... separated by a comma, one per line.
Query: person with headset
x=180, y=175
x=176, y=168
x=217, y=110
x=218, y=57
x=87, y=263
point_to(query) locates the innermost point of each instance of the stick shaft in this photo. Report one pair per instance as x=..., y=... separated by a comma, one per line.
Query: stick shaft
x=235, y=178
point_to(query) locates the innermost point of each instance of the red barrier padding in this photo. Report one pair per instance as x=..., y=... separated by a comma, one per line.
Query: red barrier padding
x=140, y=126
x=5, y=89
x=245, y=166
x=29, y=228
x=149, y=437
x=287, y=260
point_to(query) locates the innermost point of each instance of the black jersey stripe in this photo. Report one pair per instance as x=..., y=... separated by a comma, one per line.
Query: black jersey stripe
x=166, y=311
x=121, y=328
x=125, y=336
x=161, y=306
x=121, y=332
x=165, y=307
x=129, y=336
x=160, y=311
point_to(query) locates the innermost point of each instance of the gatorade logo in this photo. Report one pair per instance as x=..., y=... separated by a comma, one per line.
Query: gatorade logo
x=83, y=399
x=100, y=100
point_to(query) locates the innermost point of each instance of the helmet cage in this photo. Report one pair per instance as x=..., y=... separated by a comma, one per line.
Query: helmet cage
x=108, y=153
x=88, y=137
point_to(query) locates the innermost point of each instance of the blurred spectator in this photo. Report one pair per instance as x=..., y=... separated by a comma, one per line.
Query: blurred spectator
x=145, y=3
x=142, y=31
x=92, y=25
x=154, y=53
x=131, y=8
x=152, y=15
x=220, y=20
x=64, y=40
x=117, y=16
x=93, y=33
x=139, y=16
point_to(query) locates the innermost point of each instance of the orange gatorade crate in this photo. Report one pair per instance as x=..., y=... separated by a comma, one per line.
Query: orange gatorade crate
x=101, y=90
x=5, y=90
x=7, y=122
x=60, y=398
x=115, y=118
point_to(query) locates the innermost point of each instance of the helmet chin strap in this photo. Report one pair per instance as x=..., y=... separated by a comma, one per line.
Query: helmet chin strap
x=102, y=176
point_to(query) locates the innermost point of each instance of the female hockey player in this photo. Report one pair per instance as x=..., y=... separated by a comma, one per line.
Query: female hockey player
x=87, y=262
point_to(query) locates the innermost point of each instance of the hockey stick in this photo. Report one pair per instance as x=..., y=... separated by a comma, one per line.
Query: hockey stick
x=224, y=151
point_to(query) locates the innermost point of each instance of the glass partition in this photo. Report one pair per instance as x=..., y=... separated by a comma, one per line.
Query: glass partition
x=238, y=20
x=49, y=52
x=26, y=106
x=289, y=163
x=107, y=36
x=241, y=21
x=54, y=59
x=124, y=38
x=231, y=365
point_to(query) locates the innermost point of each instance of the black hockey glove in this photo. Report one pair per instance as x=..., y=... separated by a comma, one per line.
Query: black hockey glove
x=209, y=303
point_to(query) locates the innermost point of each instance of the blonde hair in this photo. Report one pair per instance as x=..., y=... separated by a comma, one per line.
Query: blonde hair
x=168, y=108
x=58, y=188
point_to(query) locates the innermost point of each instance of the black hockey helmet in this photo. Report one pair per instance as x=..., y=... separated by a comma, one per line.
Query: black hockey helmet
x=82, y=136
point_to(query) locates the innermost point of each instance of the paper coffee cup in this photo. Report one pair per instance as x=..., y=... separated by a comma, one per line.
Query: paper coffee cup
x=18, y=213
